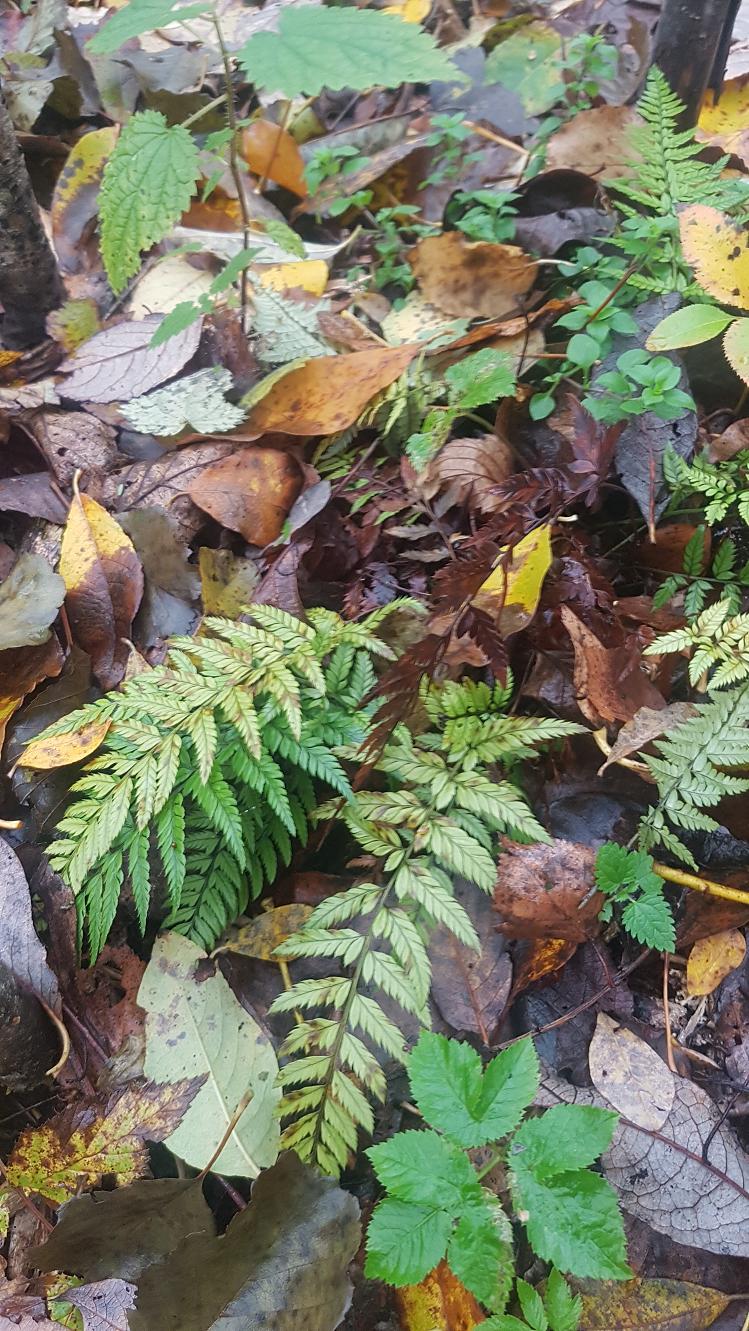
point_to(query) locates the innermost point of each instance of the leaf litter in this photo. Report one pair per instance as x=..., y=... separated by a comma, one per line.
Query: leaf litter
x=426, y=326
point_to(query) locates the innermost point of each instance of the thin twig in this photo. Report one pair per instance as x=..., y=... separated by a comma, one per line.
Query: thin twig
x=234, y=167
x=699, y=884
x=233, y=1121
x=667, y=1013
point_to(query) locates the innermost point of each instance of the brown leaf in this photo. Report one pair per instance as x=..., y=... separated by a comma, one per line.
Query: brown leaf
x=164, y=483
x=250, y=492
x=266, y=932
x=609, y=683
x=172, y=584
x=728, y=444
x=713, y=958
x=33, y=495
x=228, y=582
x=472, y=279
x=539, y=958
x=630, y=1075
x=30, y=1044
x=21, y=669
x=649, y=1305
x=470, y=470
x=471, y=988
x=540, y=890
x=119, y=363
x=439, y=1303
x=647, y=724
x=104, y=582
x=74, y=441
x=269, y=150
x=597, y=142
x=329, y=393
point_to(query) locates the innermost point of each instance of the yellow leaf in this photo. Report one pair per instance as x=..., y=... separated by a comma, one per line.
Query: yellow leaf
x=76, y=192
x=516, y=586
x=650, y=1305
x=713, y=958
x=717, y=250
x=263, y=935
x=439, y=1303
x=411, y=11
x=309, y=274
x=74, y=323
x=725, y=122
x=60, y=750
x=736, y=347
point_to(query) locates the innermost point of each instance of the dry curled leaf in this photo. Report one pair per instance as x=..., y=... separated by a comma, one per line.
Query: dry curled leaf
x=609, y=683
x=470, y=470
x=713, y=958
x=104, y=585
x=647, y=724
x=540, y=891
x=329, y=393
x=629, y=1074
x=472, y=279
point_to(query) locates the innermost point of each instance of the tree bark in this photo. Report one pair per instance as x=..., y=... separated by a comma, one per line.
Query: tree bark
x=688, y=40
x=30, y=284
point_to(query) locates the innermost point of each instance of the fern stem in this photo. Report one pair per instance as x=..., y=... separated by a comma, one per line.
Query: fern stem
x=699, y=884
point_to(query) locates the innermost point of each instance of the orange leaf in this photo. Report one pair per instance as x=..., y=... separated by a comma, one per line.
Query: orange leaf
x=104, y=585
x=21, y=669
x=61, y=750
x=250, y=491
x=472, y=279
x=266, y=932
x=713, y=958
x=438, y=1303
x=329, y=393
x=270, y=151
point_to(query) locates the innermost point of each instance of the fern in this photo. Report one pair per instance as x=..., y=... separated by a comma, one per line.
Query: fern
x=439, y=818
x=211, y=766
x=722, y=484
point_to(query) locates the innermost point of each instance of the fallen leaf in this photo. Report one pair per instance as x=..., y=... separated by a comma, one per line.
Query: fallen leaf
x=540, y=891
x=228, y=582
x=723, y=118
x=283, y=1262
x=266, y=932
x=269, y=150
x=104, y=585
x=33, y=495
x=713, y=958
x=74, y=323
x=161, y=288
x=123, y=1232
x=62, y=750
x=104, y=1306
x=475, y=279
x=196, y=1026
x=118, y=363
x=329, y=393
x=30, y=598
x=597, y=142
x=471, y=988
x=308, y=274
x=251, y=492
x=411, y=11
x=470, y=470
x=74, y=202
x=73, y=441
x=609, y=683
x=539, y=958
x=21, y=670
x=647, y=724
x=649, y=1305
x=736, y=347
x=662, y=1177
x=529, y=62
x=715, y=246
x=164, y=483
x=513, y=589
x=439, y=1303
x=78, y=1146
x=629, y=1074
x=30, y=1042
x=172, y=584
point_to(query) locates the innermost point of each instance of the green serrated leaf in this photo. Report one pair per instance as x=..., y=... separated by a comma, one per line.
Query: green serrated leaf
x=563, y=1138
x=573, y=1221
x=140, y=16
x=147, y=185
x=405, y=1241
x=563, y=1308
x=284, y=237
x=650, y=920
x=480, y=378
x=316, y=48
x=480, y=1254
x=612, y=867
x=532, y=1305
x=422, y=1167
x=470, y=1106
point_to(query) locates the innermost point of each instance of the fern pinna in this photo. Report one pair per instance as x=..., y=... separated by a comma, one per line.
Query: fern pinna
x=439, y=817
x=211, y=766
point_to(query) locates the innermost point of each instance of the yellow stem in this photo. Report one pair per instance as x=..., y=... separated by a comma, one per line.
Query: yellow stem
x=691, y=880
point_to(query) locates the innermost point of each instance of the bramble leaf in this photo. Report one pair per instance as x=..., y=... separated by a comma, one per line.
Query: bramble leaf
x=470, y=1106
x=573, y=1221
x=140, y=16
x=405, y=1241
x=423, y=1167
x=560, y=1141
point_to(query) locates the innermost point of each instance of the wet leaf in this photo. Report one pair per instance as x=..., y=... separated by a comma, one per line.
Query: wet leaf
x=104, y=582
x=282, y=1263
x=119, y=362
x=439, y=1303
x=269, y=150
x=76, y=1148
x=713, y=958
x=228, y=582
x=716, y=248
x=76, y=193
x=197, y=1027
x=629, y=1074
x=329, y=393
x=266, y=932
x=33, y=495
x=540, y=891
x=30, y=598
x=21, y=670
x=104, y=1305
x=251, y=492
x=529, y=62
x=470, y=469
x=309, y=274
x=473, y=279
x=608, y=680
x=61, y=750
x=30, y=1043
x=650, y=1305
x=73, y=441
x=471, y=988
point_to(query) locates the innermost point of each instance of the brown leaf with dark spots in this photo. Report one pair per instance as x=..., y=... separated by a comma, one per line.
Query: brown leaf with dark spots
x=540, y=891
x=471, y=988
x=164, y=483
x=647, y=724
x=597, y=142
x=74, y=441
x=104, y=582
x=21, y=670
x=649, y=1305
x=250, y=492
x=469, y=471
x=30, y=1041
x=329, y=393
x=472, y=279
x=609, y=683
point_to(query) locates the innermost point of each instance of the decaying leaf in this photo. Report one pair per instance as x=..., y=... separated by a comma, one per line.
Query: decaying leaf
x=609, y=683
x=647, y=724
x=197, y=401
x=251, y=492
x=30, y=598
x=439, y=1303
x=119, y=362
x=266, y=932
x=649, y=1305
x=104, y=585
x=269, y=150
x=30, y=1043
x=629, y=1074
x=172, y=585
x=104, y=1306
x=473, y=279
x=329, y=393
x=471, y=988
x=723, y=119
x=228, y=582
x=83, y=1143
x=76, y=193
x=218, y=1041
x=513, y=589
x=470, y=470
x=715, y=246
x=62, y=750
x=73, y=441
x=21, y=670
x=540, y=891
x=713, y=958
x=282, y=1263
x=598, y=142
x=662, y=1177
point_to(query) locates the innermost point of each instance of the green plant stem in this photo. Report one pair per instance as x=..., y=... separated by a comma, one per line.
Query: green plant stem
x=210, y=106
x=497, y=1157
x=234, y=167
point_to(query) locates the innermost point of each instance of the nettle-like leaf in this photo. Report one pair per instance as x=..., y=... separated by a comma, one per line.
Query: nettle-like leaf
x=197, y=401
x=318, y=48
x=147, y=185
x=480, y=378
x=141, y=16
